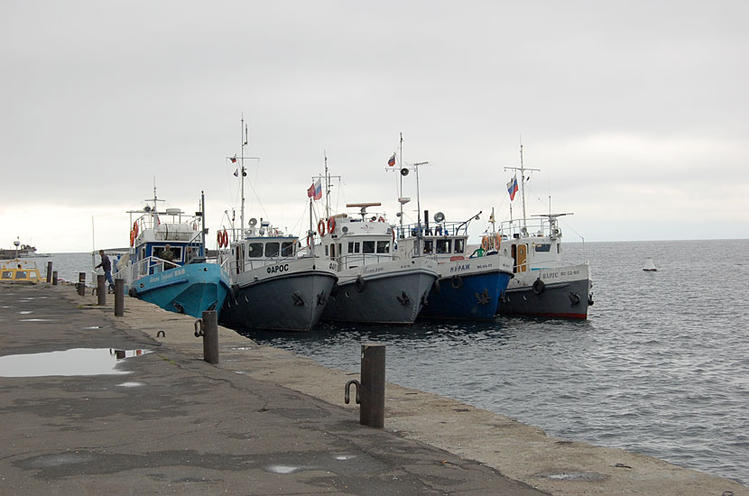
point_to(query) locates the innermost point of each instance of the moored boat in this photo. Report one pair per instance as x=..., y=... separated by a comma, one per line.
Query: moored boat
x=374, y=285
x=166, y=264
x=19, y=271
x=470, y=284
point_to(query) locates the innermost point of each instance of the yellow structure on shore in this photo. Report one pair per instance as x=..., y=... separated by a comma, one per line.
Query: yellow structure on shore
x=19, y=271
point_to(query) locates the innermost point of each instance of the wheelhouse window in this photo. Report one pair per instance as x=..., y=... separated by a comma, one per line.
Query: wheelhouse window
x=368, y=247
x=158, y=251
x=460, y=246
x=383, y=247
x=443, y=246
x=428, y=246
x=271, y=250
x=354, y=246
x=255, y=250
x=544, y=247
x=20, y=274
x=287, y=248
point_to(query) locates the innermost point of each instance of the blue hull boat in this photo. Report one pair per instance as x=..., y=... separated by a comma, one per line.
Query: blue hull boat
x=190, y=289
x=466, y=297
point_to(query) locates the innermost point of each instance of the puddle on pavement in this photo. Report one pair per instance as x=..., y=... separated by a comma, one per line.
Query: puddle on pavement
x=131, y=384
x=77, y=361
x=344, y=457
x=36, y=320
x=25, y=312
x=93, y=327
x=282, y=469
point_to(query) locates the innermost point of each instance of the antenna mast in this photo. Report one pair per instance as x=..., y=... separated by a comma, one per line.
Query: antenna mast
x=522, y=170
x=400, y=189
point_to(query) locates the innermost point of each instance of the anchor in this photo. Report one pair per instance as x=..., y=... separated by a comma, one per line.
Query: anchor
x=482, y=298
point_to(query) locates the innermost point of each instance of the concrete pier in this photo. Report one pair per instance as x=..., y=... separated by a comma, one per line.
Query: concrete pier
x=263, y=421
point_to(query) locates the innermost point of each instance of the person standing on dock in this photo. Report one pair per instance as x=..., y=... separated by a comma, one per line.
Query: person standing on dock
x=106, y=266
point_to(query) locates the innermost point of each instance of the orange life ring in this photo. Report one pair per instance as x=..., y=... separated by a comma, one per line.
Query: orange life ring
x=381, y=219
x=220, y=239
x=331, y=225
x=132, y=237
x=498, y=241
x=321, y=227
x=135, y=229
x=225, y=235
x=310, y=239
x=485, y=243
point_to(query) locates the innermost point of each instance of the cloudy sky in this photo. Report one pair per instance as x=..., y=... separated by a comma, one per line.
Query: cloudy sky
x=635, y=112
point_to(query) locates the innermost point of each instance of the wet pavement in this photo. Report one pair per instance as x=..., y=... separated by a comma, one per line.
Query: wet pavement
x=90, y=405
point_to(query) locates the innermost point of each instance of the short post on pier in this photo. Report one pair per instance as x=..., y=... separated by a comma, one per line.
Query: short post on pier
x=370, y=393
x=49, y=271
x=101, y=289
x=54, y=278
x=82, y=283
x=207, y=327
x=119, y=297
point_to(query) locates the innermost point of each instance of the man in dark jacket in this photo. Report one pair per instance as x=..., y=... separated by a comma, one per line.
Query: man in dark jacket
x=106, y=266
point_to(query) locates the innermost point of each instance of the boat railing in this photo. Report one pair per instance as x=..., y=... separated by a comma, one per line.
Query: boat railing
x=358, y=259
x=439, y=229
x=534, y=227
x=152, y=265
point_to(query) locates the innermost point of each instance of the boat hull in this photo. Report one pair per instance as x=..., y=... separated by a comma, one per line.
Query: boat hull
x=291, y=302
x=190, y=289
x=466, y=297
x=386, y=297
x=564, y=293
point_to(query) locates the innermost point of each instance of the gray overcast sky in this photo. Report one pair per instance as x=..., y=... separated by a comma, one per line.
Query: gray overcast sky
x=635, y=112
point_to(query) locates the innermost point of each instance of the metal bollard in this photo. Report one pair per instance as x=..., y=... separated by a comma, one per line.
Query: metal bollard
x=101, y=289
x=82, y=283
x=119, y=297
x=208, y=328
x=54, y=278
x=370, y=393
x=49, y=272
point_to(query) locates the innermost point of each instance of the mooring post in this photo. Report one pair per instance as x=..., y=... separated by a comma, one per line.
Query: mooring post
x=207, y=327
x=82, y=283
x=49, y=271
x=119, y=297
x=101, y=289
x=372, y=409
x=54, y=278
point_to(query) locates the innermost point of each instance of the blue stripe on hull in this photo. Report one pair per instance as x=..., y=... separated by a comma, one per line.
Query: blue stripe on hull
x=190, y=289
x=472, y=297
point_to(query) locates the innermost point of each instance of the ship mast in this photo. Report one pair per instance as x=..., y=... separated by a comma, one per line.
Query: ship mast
x=242, y=171
x=522, y=170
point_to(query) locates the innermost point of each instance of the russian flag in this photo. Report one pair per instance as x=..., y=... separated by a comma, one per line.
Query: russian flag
x=512, y=187
x=391, y=160
x=318, y=190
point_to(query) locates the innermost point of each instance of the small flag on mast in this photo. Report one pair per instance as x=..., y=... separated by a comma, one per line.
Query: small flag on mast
x=315, y=190
x=391, y=160
x=512, y=187
x=233, y=159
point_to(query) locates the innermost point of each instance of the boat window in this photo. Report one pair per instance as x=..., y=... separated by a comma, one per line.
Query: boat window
x=428, y=246
x=255, y=250
x=143, y=253
x=558, y=246
x=443, y=246
x=353, y=247
x=158, y=251
x=383, y=247
x=7, y=274
x=543, y=247
x=271, y=249
x=368, y=246
x=357, y=247
x=326, y=250
x=332, y=250
x=460, y=245
x=20, y=275
x=287, y=249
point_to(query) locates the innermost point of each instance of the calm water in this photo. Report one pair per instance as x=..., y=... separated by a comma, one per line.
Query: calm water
x=661, y=367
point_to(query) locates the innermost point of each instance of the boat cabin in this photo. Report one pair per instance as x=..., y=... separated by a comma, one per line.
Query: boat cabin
x=534, y=243
x=353, y=242
x=19, y=271
x=440, y=240
x=258, y=246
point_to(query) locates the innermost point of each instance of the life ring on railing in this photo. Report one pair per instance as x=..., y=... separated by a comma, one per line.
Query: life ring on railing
x=321, y=227
x=497, y=241
x=225, y=237
x=331, y=225
x=220, y=239
x=381, y=219
x=135, y=229
x=310, y=239
x=485, y=243
x=132, y=237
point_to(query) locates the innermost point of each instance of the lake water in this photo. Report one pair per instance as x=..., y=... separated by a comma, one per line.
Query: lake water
x=661, y=367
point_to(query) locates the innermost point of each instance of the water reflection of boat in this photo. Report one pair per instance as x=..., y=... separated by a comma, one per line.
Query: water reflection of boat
x=166, y=264
x=19, y=271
